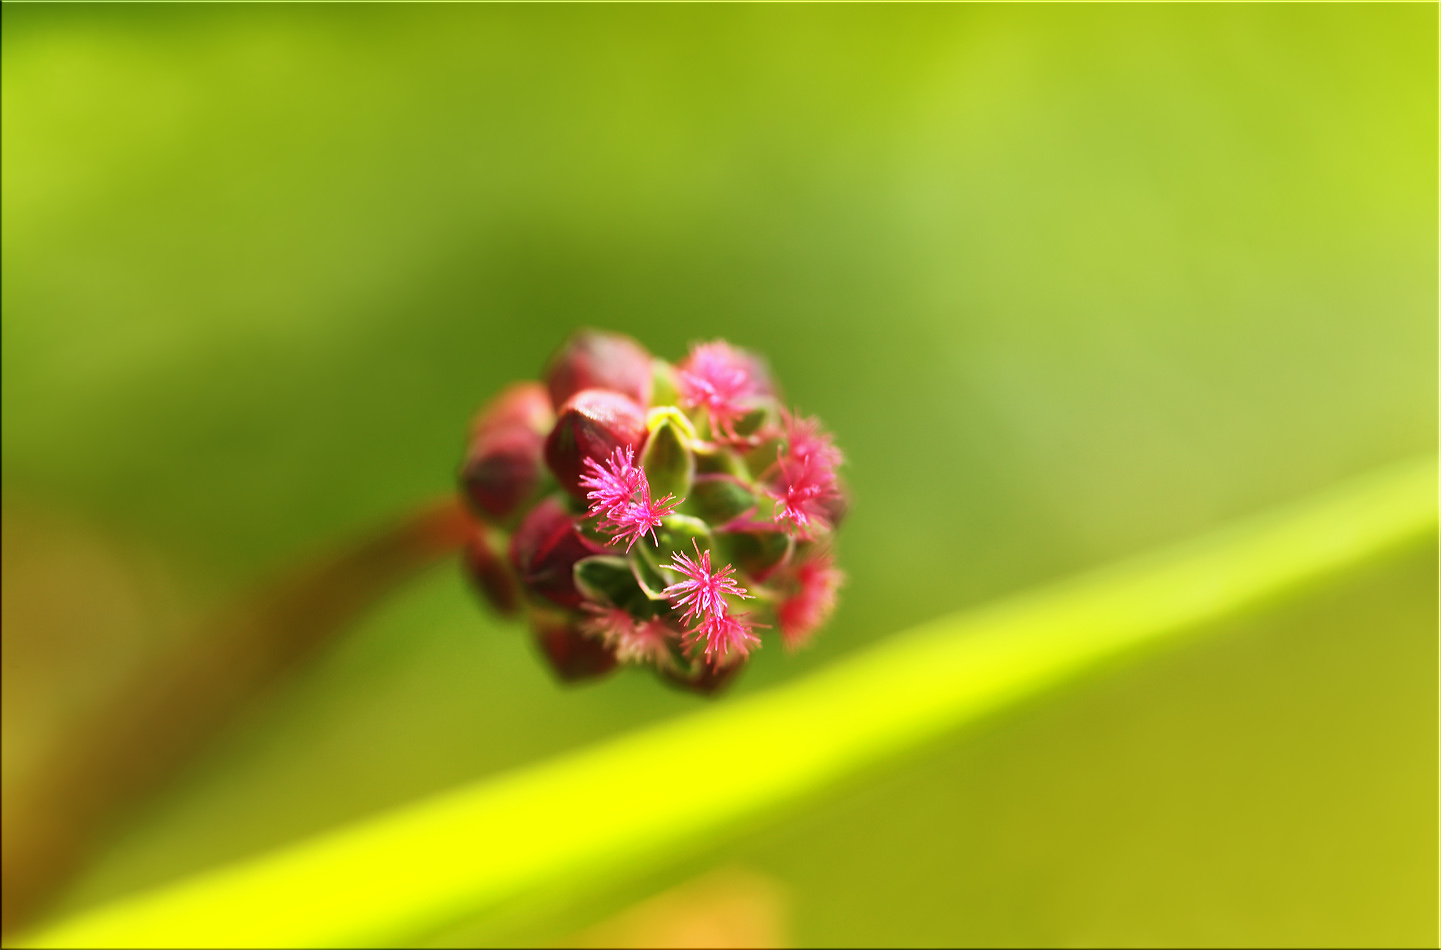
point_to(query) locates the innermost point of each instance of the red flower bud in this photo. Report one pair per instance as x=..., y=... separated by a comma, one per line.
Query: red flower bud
x=490, y=575
x=502, y=467
x=544, y=550
x=520, y=404
x=591, y=425
x=591, y=359
x=572, y=655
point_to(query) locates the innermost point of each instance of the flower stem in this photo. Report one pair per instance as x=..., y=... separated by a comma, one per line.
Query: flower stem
x=160, y=720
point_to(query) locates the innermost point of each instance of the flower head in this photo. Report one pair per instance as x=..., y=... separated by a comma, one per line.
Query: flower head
x=703, y=592
x=721, y=380
x=617, y=445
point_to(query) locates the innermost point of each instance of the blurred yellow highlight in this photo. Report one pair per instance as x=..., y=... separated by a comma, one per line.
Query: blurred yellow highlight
x=459, y=856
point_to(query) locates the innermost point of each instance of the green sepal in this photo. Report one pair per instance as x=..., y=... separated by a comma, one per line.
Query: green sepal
x=721, y=461
x=667, y=460
x=756, y=553
x=761, y=457
x=719, y=499
x=664, y=391
x=650, y=580
x=752, y=422
x=607, y=579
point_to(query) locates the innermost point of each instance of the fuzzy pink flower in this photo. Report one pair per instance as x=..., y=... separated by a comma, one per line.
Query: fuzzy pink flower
x=721, y=380
x=620, y=496
x=703, y=592
x=805, y=439
x=804, y=490
x=801, y=614
x=613, y=484
x=722, y=637
x=642, y=516
x=632, y=641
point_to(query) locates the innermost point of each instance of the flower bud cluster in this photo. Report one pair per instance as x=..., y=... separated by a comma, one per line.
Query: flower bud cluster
x=647, y=513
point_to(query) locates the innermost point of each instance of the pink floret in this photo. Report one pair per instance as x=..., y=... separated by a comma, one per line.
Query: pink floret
x=804, y=612
x=804, y=490
x=805, y=439
x=721, y=380
x=620, y=495
x=632, y=641
x=702, y=593
x=722, y=637
x=642, y=516
x=613, y=484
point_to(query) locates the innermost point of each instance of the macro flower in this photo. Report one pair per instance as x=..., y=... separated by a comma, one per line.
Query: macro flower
x=703, y=592
x=621, y=497
x=804, y=489
x=613, y=483
x=640, y=502
x=721, y=381
x=805, y=439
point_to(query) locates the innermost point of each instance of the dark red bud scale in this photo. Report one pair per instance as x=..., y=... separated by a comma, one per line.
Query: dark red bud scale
x=544, y=550
x=593, y=359
x=571, y=654
x=502, y=467
x=490, y=574
x=591, y=425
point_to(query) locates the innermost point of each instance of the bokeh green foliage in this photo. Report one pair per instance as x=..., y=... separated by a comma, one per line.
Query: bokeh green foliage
x=1066, y=283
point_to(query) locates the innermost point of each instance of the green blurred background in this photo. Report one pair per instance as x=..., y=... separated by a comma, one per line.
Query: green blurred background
x=1067, y=283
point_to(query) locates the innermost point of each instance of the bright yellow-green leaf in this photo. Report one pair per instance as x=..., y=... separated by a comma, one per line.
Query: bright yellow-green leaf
x=401, y=876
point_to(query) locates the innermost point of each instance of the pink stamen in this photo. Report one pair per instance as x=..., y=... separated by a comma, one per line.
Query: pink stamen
x=721, y=380
x=632, y=641
x=613, y=484
x=805, y=611
x=620, y=497
x=722, y=635
x=804, y=487
x=703, y=593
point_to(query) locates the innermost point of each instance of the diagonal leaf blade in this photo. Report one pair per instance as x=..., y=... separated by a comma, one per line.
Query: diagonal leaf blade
x=402, y=875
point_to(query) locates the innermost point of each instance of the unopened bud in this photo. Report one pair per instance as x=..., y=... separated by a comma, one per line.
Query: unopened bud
x=544, y=550
x=503, y=465
x=592, y=359
x=525, y=405
x=572, y=655
x=490, y=575
x=591, y=425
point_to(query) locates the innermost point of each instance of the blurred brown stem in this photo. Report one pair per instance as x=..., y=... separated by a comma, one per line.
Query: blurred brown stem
x=133, y=744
